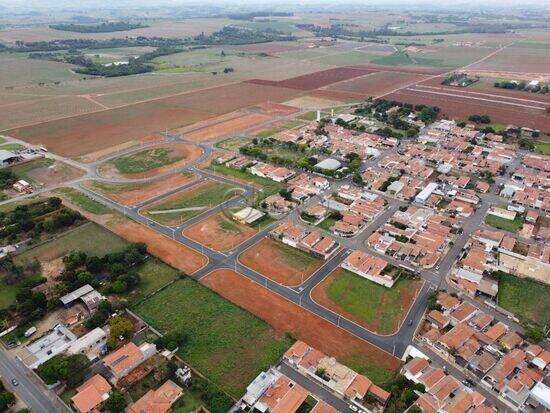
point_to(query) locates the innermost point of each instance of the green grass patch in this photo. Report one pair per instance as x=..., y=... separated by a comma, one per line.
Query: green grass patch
x=300, y=260
x=2, y=139
x=146, y=160
x=266, y=133
x=543, y=147
x=269, y=187
x=526, y=298
x=12, y=147
x=202, y=197
x=505, y=224
x=7, y=294
x=84, y=201
x=226, y=343
x=262, y=222
x=233, y=144
x=89, y=238
x=327, y=223
x=375, y=305
x=154, y=275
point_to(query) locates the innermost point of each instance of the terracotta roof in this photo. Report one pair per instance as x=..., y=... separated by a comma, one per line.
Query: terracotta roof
x=447, y=301
x=445, y=387
x=427, y=403
x=416, y=365
x=123, y=358
x=506, y=365
x=463, y=312
x=439, y=318
x=461, y=403
x=457, y=336
x=431, y=377
x=159, y=400
x=298, y=349
x=379, y=393
x=91, y=393
x=358, y=387
x=322, y=407
x=496, y=331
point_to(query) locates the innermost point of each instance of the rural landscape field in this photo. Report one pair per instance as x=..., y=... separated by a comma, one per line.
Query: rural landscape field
x=282, y=207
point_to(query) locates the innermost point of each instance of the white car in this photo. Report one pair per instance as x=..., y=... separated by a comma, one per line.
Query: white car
x=353, y=407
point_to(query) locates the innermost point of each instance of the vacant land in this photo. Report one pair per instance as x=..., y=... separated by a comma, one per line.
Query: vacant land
x=529, y=58
x=171, y=252
x=154, y=274
x=219, y=232
x=375, y=307
x=286, y=316
x=135, y=194
x=152, y=161
x=377, y=83
x=505, y=224
x=280, y=262
x=83, y=201
x=44, y=172
x=226, y=343
x=543, y=148
x=268, y=186
x=183, y=206
x=227, y=127
x=234, y=144
x=527, y=299
x=89, y=238
x=7, y=294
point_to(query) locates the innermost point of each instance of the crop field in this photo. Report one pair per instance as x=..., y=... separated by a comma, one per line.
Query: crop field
x=135, y=194
x=219, y=232
x=228, y=127
x=530, y=59
x=280, y=262
x=527, y=299
x=152, y=161
x=183, y=206
x=87, y=133
x=460, y=107
x=285, y=316
x=375, y=307
x=16, y=71
x=226, y=343
x=377, y=83
x=89, y=238
x=352, y=57
x=317, y=79
x=45, y=109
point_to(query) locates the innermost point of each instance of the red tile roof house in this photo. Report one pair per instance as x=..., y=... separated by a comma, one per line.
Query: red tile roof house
x=462, y=313
x=370, y=267
x=159, y=400
x=91, y=394
x=128, y=357
x=497, y=377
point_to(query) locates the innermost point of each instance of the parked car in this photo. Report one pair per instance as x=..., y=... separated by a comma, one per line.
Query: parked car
x=14, y=382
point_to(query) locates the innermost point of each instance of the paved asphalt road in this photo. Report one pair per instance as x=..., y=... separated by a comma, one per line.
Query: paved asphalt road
x=29, y=390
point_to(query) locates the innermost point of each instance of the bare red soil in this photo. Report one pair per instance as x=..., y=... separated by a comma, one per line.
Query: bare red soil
x=168, y=250
x=211, y=233
x=268, y=258
x=403, y=69
x=286, y=316
x=228, y=127
x=316, y=80
x=461, y=107
x=271, y=108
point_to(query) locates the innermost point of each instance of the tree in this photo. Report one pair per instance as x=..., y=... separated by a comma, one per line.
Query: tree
x=120, y=327
x=116, y=402
x=534, y=334
x=173, y=340
x=71, y=369
x=6, y=400
x=357, y=179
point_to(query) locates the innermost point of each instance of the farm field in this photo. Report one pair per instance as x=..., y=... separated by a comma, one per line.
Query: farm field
x=152, y=161
x=89, y=238
x=83, y=134
x=285, y=316
x=184, y=205
x=377, y=83
x=527, y=299
x=219, y=232
x=44, y=172
x=171, y=252
x=526, y=57
x=461, y=107
x=228, y=127
x=226, y=343
x=135, y=194
x=377, y=308
x=280, y=262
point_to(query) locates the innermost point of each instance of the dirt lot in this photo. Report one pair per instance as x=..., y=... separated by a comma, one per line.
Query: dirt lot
x=286, y=316
x=46, y=172
x=83, y=134
x=171, y=252
x=228, y=127
x=134, y=194
x=317, y=79
x=189, y=153
x=377, y=83
x=280, y=262
x=270, y=108
x=461, y=107
x=398, y=301
x=312, y=102
x=219, y=233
